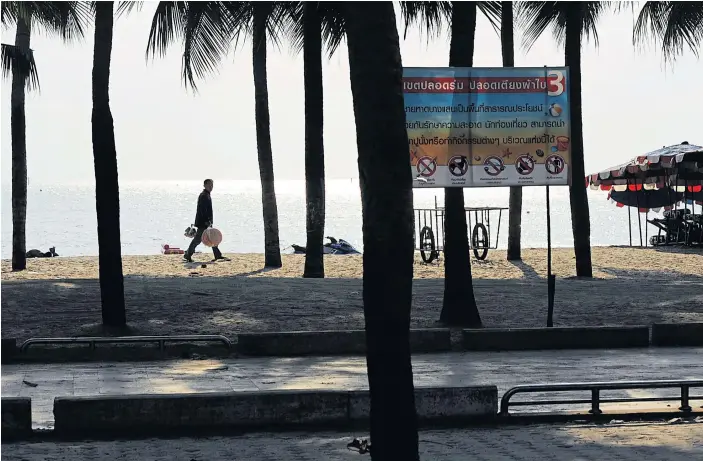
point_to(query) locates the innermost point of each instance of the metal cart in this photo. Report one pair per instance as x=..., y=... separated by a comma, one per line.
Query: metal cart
x=429, y=230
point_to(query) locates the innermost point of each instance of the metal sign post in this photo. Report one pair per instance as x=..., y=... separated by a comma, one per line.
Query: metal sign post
x=551, y=279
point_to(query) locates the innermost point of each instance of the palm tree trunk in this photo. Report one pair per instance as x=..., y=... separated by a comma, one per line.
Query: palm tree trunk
x=386, y=194
x=580, y=219
x=272, y=247
x=107, y=191
x=19, y=153
x=507, y=41
x=314, y=145
x=459, y=307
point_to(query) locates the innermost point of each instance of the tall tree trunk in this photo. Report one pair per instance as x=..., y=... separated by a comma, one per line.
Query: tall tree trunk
x=459, y=306
x=507, y=42
x=386, y=195
x=272, y=247
x=314, y=145
x=107, y=191
x=580, y=219
x=19, y=151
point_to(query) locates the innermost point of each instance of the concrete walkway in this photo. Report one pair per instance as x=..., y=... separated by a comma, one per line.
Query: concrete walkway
x=503, y=369
x=627, y=442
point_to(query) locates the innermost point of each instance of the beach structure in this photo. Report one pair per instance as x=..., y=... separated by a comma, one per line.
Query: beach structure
x=483, y=224
x=670, y=178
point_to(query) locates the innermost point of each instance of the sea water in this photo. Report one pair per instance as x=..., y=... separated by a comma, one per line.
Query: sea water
x=154, y=213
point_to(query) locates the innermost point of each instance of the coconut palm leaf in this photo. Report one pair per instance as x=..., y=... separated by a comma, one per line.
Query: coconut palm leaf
x=66, y=19
x=20, y=62
x=432, y=17
x=676, y=25
x=536, y=17
x=208, y=30
x=331, y=17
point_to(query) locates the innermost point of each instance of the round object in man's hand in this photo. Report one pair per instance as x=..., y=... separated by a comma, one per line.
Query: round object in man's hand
x=212, y=237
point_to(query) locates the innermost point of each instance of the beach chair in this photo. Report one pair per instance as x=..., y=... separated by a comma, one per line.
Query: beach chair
x=675, y=229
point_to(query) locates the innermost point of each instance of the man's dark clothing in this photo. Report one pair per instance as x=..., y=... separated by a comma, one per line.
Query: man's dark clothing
x=203, y=220
x=203, y=215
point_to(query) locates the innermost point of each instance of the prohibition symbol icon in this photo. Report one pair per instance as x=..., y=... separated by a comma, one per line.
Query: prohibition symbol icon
x=426, y=166
x=525, y=164
x=458, y=165
x=493, y=166
x=554, y=164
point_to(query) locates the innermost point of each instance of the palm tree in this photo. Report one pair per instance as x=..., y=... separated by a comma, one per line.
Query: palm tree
x=507, y=42
x=674, y=25
x=313, y=24
x=64, y=19
x=314, y=143
x=107, y=191
x=376, y=71
x=459, y=306
x=571, y=23
x=208, y=29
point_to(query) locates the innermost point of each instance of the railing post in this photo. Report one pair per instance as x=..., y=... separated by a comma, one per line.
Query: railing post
x=684, y=399
x=595, y=402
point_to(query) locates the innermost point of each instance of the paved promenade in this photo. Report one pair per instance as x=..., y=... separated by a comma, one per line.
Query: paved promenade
x=627, y=442
x=504, y=369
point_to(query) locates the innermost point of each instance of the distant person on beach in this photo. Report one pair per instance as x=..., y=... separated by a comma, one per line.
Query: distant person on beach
x=203, y=220
x=40, y=254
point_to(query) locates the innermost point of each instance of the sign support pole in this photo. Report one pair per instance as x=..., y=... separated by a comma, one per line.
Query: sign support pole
x=551, y=279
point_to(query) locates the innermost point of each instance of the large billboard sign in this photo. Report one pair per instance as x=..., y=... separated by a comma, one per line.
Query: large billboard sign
x=480, y=127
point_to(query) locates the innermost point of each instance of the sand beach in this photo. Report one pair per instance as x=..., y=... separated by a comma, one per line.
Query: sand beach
x=61, y=296
x=608, y=262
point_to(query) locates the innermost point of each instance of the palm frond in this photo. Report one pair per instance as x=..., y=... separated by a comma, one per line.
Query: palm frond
x=431, y=17
x=676, y=25
x=334, y=25
x=167, y=24
x=125, y=8
x=207, y=38
x=16, y=61
x=332, y=22
x=492, y=12
x=536, y=17
x=68, y=20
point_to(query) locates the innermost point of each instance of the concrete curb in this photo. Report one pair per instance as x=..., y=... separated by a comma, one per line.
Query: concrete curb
x=555, y=338
x=350, y=342
x=16, y=418
x=297, y=343
x=677, y=334
x=252, y=410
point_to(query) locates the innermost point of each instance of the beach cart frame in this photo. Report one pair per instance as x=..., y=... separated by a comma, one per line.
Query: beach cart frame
x=481, y=221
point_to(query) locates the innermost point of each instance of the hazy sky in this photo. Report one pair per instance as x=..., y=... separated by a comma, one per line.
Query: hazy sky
x=632, y=103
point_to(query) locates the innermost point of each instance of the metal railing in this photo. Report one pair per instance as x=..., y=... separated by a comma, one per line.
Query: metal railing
x=597, y=387
x=93, y=340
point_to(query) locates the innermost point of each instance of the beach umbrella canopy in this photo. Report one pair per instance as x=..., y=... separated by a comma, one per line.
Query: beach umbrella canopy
x=645, y=199
x=678, y=165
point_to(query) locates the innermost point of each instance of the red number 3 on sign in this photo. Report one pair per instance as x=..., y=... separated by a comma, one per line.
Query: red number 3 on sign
x=555, y=82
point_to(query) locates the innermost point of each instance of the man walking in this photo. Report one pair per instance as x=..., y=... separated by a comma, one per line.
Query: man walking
x=203, y=220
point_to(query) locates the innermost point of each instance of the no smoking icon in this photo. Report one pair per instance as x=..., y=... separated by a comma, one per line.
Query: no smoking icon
x=426, y=166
